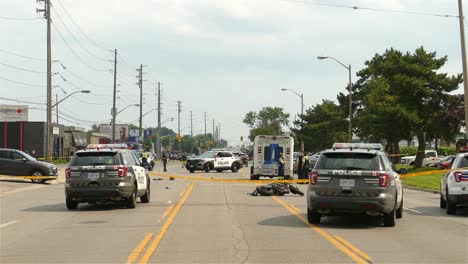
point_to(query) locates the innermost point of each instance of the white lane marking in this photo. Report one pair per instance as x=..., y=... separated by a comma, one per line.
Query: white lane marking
x=7, y=224
x=412, y=210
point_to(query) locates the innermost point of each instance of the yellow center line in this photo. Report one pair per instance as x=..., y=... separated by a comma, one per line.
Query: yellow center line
x=295, y=208
x=139, y=248
x=353, y=248
x=154, y=244
x=324, y=234
x=166, y=213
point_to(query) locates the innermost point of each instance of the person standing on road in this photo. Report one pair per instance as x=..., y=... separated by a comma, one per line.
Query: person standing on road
x=164, y=161
x=300, y=159
x=281, y=165
x=305, y=167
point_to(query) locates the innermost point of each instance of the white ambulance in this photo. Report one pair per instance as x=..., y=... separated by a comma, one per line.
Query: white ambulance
x=266, y=154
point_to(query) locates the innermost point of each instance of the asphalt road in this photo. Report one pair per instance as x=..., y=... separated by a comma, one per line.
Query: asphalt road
x=201, y=221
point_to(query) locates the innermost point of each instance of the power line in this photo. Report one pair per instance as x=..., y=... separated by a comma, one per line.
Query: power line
x=372, y=9
x=19, y=18
x=22, y=69
x=21, y=101
x=21, y=56
x=73, y=51
x=22, y=83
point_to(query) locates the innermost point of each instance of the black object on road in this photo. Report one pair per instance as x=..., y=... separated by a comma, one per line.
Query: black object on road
x=276, y=189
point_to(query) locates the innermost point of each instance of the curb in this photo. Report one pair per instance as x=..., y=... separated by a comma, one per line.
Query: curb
x=421, y=189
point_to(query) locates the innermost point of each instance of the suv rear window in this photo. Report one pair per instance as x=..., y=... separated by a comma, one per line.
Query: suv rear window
x=349, y=161
x=96, y=158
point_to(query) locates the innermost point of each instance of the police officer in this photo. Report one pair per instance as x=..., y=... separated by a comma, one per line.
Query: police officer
x=164, y=160
x=305, y=167
x=300, y=160
x=281, y=165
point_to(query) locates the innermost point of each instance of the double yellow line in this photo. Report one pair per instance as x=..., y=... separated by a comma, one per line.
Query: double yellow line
x=171, y=213
x=344, y=246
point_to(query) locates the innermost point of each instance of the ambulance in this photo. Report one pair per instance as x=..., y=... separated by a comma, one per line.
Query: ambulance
x=266, y=153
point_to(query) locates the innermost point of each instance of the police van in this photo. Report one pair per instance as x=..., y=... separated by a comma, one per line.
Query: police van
x=266, y=154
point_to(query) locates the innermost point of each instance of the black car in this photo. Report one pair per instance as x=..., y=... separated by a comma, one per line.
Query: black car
x=18, y=163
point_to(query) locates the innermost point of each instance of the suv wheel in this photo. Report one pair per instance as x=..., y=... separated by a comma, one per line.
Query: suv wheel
x=146, y=197
x=131, y=201
x=313, y=217
x=207, y=167
x=235, y=167
x=443, y=203
x=390, y=218
x=71, y=205
x=399, y=212
x=219, y=170
x=192, y=171
x=451, y=207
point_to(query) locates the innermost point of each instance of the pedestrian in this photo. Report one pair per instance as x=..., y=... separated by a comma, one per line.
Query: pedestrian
x=305, y=168
x=281, y=165
x=300, y=159
x=164, y=160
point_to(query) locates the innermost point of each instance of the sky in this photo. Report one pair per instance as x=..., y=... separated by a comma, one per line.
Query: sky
x=222, y=57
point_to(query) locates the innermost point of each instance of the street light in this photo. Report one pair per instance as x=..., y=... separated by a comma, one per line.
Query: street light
x=58, y=102
x=302, y=109
x=114, y=119
x=127, y=107
x=350, y=94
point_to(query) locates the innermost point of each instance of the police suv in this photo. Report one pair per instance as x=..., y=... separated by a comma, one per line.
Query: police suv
x=214, y=160
x=105, y=174
x=357, y=179
x=454, y=184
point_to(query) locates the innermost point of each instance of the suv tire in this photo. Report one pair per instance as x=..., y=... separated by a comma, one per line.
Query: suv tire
x=399, y=212
x=147, y=196
x=131, y=201
x=207, y=167
x=192, y=171
x=254, y=177
x=451, y=207
x=313, y=217
x=235, y=167
x=71, y=205
x=443, y=203
x=389, y=219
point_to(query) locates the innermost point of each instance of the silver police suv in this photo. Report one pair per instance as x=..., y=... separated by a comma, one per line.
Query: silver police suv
x=105, y=174
x=356, y=179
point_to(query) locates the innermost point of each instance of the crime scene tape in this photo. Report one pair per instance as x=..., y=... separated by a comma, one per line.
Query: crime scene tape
x=29, y=177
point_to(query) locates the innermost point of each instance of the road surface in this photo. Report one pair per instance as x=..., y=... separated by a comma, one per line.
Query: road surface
x=201, y=221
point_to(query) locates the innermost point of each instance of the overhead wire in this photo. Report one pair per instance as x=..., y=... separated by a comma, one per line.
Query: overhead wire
x=22, y=83
x=22, y=69
x=20, y=18
x=21, y=56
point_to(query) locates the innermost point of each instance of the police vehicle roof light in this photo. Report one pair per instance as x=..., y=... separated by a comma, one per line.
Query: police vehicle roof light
x=351, y=146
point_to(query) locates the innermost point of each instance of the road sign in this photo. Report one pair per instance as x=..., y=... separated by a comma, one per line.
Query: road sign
x=179, y=137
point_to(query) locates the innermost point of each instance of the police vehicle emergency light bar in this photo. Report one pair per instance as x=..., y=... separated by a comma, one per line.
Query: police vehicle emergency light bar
x=374, y=146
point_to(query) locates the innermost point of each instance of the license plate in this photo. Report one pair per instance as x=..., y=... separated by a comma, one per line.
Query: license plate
x=346, y=183
x=93, y=175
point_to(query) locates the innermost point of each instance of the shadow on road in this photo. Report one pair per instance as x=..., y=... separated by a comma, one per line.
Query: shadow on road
x=23, y=181
x=330, y=222
x=436, y=211
x=61, y=207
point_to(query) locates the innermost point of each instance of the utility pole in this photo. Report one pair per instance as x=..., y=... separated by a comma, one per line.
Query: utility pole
x=140, y=85
x=205, y=123
x=178, y=116
x=48, y=147
x=191, y=132
x=158, y=140
x=114, y=110
x=219, y=131
x=465, y=70
x=56, y=107
x=213, y=135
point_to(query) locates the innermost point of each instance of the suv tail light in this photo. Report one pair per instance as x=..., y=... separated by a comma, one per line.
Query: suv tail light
x=67, y=173
x=122, y=171
x=313, y=176
x=458, y=176
x=384, y=179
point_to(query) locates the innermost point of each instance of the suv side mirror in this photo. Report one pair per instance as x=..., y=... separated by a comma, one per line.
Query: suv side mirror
x=403, y=171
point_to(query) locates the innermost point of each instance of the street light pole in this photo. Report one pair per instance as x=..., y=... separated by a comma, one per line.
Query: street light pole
x=465, y=68
x=350, y=84
x=302, y=110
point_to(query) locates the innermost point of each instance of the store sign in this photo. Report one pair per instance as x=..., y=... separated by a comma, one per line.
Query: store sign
x=121, y=132
x=11, y=113
x=55, y=131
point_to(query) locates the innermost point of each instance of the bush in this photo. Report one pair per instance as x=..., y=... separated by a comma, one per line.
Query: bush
x=59, y=161
x=408, y=151
x=445, y=151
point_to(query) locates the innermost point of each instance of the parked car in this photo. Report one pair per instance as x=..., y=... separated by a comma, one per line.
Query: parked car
x=430, y=158
x=444, y=163
x=454, y=185
x=18, y=163
x=105, y=175
x=355, y=179
x=244, y=157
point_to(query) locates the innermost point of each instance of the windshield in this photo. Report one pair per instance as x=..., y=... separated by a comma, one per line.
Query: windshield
x=208, y=154
x=349, y=161
x=95, y=159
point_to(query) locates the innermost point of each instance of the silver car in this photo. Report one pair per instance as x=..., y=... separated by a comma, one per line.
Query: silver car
x=355, y=179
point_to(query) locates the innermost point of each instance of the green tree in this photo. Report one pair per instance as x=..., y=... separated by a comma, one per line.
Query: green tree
x=324, y=124
x=401, y=94
x=268, y=121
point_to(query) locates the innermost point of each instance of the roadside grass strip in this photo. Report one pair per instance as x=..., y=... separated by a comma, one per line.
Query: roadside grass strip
x=344, y=248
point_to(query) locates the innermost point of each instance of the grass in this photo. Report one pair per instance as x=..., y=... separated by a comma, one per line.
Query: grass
x=59, y=161
x=431, y=181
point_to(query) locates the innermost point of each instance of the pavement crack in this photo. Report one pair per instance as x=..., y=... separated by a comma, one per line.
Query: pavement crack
x=241, y=246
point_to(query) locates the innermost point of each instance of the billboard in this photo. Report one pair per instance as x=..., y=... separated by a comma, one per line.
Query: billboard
x=12, y=113
x=121, y=131
x=133, y=135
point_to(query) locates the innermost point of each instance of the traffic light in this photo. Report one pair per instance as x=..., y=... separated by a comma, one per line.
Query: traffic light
x=179, y=137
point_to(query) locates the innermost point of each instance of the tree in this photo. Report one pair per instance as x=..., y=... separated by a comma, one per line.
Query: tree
x=268, y=121
x=323, y=125
x=401, y=94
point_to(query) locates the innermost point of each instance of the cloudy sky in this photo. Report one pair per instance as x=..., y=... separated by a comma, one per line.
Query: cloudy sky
x=223, y=57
